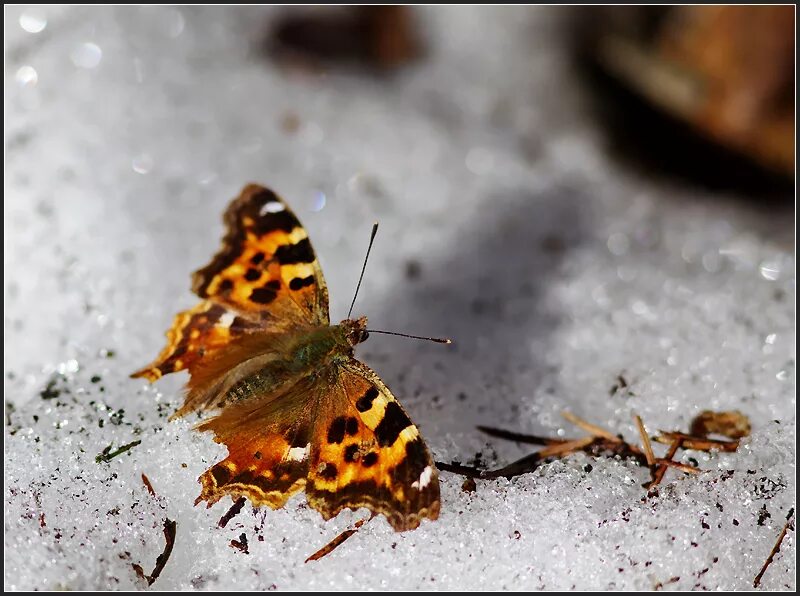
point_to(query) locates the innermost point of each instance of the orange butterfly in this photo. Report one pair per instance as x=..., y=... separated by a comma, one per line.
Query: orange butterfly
x=294, y=407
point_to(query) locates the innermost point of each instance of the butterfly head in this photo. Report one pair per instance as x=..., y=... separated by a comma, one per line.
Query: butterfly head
x=355, y=330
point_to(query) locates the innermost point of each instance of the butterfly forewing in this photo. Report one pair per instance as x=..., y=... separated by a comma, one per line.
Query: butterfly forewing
x=266, y=264
x=264, y=278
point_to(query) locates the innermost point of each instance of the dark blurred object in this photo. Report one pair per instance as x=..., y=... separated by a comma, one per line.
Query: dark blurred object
x=733, y=425
x=378, y=36
x=727, y=72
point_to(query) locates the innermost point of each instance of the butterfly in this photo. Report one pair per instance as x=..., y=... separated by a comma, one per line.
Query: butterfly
x=280, y=385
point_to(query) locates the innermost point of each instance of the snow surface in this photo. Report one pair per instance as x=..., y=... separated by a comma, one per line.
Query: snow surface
x=505, y=224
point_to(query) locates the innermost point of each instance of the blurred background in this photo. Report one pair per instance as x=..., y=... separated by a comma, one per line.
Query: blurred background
x=496, y=145
x=596, y=204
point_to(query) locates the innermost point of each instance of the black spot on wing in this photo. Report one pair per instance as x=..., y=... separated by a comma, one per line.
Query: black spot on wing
x=364, y=403
x=412, y=464
x=267, y=220
x=225, y=285
x=257, y=258
x=352, y=426
x=370, y=459
x=329, y=471
x=252, y=274
x=221, y=474
x=281, y=479
x=298, y=283
x=336, y=430
x=416, y=453
x=240, y=324
x=291, y=254
x=267, y=293
x=298, y=437
x=393, y=423
x=247, y=214
x=351, y=453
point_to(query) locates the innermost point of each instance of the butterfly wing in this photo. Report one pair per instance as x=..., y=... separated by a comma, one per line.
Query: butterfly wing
x=268, y=446
x=266, y=266
x=366, y=452
x=341, y=435
x=265, y=278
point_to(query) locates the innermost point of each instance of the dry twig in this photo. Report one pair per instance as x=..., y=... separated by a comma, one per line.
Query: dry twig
x=170, y=529
x=775, y=549
x=682, y=467
x=328, y=548
x=599, y=441
x=519, y=437
x=648, y=448
x=661, y=468
x=457, y=468
x=697, y=443
x=232, y=512
x=590, y=428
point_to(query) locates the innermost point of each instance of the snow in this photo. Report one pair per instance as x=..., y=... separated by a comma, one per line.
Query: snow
x=505, y=224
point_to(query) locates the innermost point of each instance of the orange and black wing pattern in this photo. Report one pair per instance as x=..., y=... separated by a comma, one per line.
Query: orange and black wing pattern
x=341, y=436
x=265, y=278
x=366, y=452
x=268, y=441
x=266, y=266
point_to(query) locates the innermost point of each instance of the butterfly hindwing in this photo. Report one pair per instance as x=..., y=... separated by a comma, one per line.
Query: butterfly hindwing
x=268, y=447
x=340, y=435
x=266, y=264
x=366, y=452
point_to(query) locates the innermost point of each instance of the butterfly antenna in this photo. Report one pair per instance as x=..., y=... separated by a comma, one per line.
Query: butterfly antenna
x=438, y=340
x=364, y=267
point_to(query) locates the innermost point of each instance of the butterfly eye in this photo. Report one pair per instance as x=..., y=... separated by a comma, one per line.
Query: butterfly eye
x=364, y=336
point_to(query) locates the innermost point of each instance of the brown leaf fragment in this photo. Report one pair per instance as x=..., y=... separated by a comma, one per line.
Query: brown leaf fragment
x=241, y=544
x=733, y=425
x=469, y=486
x=139, y=572
x=147, y=484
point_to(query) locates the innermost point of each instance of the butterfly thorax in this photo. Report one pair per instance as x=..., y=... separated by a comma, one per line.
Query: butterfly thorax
x=323, y=345
x=304, y=353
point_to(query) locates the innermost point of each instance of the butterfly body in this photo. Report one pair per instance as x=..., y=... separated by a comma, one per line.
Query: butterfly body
x=304, y=353
x=288, y=398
